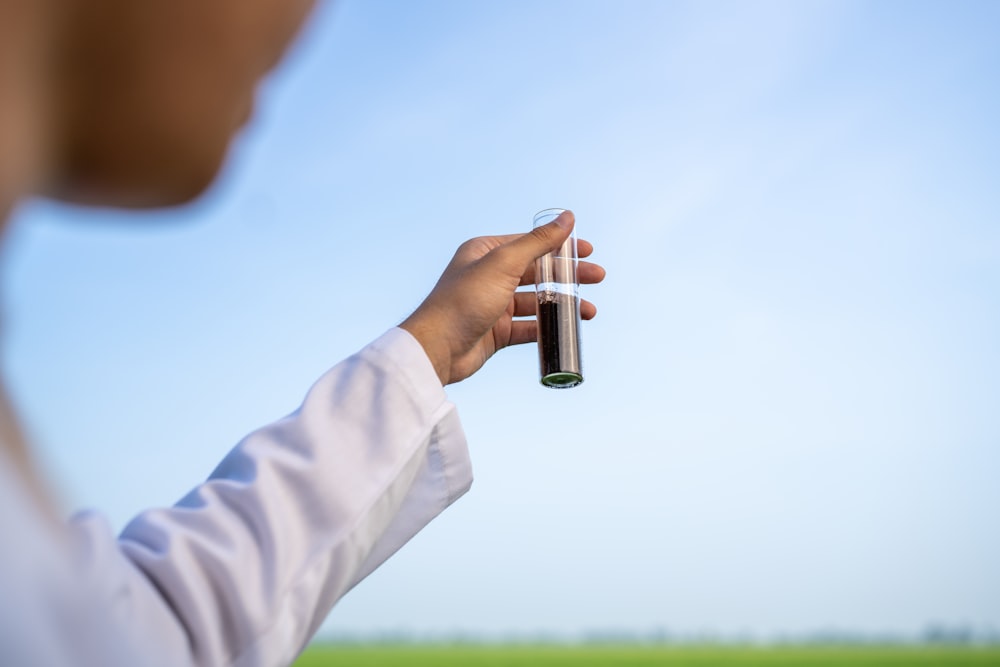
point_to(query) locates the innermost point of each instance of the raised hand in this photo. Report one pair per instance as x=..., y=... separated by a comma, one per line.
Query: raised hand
x=469, y=314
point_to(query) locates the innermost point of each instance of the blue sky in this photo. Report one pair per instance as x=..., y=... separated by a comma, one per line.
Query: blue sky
x=789, y=421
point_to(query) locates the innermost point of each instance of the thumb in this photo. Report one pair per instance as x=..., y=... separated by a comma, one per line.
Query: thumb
x=544, y=239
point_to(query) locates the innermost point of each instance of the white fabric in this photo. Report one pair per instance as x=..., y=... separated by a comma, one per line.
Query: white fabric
x=243, y=569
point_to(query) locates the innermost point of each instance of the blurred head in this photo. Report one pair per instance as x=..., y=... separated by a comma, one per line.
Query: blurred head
x=149, y=93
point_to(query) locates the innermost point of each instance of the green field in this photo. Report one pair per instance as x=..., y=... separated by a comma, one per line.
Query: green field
x=643, y=656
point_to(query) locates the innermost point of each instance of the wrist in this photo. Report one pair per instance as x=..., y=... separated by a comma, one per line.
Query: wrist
x=435, y=346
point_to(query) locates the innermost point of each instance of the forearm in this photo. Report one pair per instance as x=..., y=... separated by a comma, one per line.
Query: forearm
x=250, y=562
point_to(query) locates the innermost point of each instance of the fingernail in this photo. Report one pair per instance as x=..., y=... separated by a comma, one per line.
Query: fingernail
x=564, y=219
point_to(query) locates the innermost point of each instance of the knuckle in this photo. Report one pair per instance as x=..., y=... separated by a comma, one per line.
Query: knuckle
x=467, y=246
x=543, y=234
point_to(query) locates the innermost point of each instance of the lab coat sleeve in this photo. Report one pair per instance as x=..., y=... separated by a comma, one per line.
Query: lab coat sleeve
x=244, y=569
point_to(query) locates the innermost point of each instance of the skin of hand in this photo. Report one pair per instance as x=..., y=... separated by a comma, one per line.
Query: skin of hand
x=469, y=314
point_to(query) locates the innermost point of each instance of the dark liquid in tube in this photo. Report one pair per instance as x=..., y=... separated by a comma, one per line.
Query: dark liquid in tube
x=559, y=339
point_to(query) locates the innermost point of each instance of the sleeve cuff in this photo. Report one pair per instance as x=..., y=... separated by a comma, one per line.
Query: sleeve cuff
x=406, y=355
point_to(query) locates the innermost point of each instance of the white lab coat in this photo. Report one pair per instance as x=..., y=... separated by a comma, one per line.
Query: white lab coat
x=245, y=567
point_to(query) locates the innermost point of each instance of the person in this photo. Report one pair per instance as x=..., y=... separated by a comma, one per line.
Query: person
x=133, y=104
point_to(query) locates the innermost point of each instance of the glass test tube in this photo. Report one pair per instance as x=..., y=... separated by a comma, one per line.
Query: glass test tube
x=558, y=290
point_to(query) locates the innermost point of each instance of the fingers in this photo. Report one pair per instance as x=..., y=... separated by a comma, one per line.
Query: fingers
x=525, y=304
x=523, y=331
x=587, y=273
